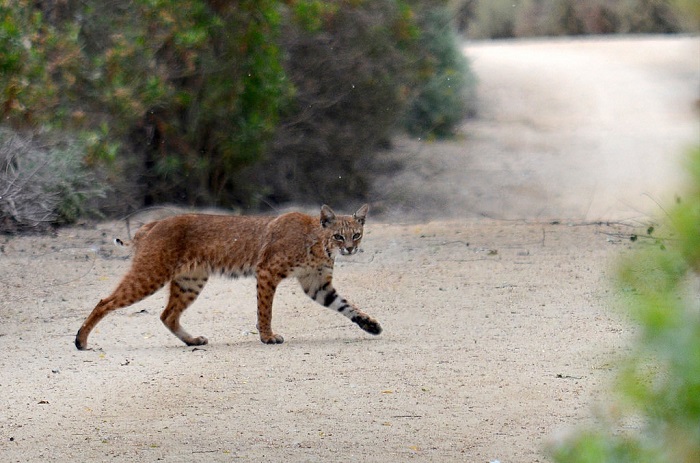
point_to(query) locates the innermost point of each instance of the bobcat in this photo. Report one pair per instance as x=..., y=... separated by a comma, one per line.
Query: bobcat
x=184, y=250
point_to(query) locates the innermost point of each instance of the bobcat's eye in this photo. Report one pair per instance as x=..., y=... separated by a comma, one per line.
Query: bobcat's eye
x=356, y=236
x=338, y=237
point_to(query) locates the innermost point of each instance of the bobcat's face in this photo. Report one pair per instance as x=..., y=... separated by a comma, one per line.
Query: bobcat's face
x=348, y=239
x=345, y=231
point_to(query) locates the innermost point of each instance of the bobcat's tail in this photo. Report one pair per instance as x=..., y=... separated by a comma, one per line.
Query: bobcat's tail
x=140, y=235
x=121, y=244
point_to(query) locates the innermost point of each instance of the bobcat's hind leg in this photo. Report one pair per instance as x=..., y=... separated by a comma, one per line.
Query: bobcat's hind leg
x=184, y=289
x=131, y=290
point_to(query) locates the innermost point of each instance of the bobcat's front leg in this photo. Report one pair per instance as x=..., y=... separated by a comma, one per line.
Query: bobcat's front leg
x=321, y=290
x=267, y=284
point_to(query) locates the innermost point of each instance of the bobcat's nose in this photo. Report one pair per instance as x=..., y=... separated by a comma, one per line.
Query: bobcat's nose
x=348, y=251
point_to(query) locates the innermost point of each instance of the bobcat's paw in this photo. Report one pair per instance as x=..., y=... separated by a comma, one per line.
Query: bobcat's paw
x=368, y=324
x=198, y=341
x=80, y=340
x=80, y=344
x=271, y=338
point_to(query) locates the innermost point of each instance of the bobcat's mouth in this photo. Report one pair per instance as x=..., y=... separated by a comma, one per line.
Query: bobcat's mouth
x=348, y=251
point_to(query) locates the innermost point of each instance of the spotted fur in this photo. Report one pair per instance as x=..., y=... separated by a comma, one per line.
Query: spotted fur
x=185, y=250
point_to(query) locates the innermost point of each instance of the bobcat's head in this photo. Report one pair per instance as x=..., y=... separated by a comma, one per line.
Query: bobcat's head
x=344, y=231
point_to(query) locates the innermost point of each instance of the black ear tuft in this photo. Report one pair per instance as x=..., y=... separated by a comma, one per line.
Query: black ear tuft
x=361, y=214
x=327, y=216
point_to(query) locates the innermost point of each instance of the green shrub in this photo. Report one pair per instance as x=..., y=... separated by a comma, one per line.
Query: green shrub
x=201, y=85
x=191, y=87
x=689, y=14
x=646, y=16
x=38, y=65
x=659, y=382
x=448, y=95
x=352, y=74
x=360, y=72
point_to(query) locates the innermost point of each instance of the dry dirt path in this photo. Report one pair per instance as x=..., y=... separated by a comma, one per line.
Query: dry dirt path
x=496, y=338
x=585, y=129
x=498, y=334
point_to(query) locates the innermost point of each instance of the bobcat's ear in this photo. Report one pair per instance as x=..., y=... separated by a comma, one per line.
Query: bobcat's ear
x=361, y=214
x=327, y=216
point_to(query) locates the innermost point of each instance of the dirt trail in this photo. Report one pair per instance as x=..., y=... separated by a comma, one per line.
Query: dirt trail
x=585, y=129
x=487, y=352
x=498, y=334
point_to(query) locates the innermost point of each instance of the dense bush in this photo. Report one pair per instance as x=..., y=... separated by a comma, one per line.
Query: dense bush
x=689, y=13
x=356, y=75
x=349, y=74
x=191, y=87
x=448, y=95
x=191, y=95
x=505, y=18
x=659, y=383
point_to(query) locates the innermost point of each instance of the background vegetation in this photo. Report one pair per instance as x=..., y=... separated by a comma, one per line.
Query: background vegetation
x=246, y=102
x=528, y=18
x=209, y=102
x=44, y=182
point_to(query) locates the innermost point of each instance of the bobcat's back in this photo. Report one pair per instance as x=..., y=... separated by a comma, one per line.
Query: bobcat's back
x=230, y=245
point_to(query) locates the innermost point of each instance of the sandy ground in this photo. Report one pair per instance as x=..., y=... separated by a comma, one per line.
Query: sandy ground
x=498, y=329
